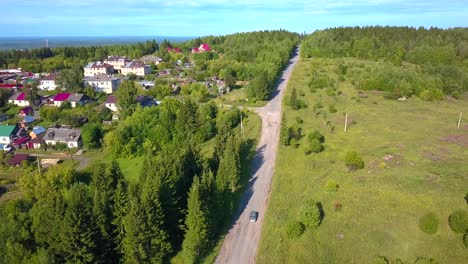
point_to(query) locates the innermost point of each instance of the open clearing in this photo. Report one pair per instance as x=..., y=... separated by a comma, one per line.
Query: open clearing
x=416, y=161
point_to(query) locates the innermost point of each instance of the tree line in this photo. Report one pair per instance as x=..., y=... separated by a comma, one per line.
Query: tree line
x=438, y=56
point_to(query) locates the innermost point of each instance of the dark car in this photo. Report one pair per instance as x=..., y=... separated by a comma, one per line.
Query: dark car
x=253, y=216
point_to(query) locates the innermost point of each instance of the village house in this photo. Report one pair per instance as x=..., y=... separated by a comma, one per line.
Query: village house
x=97, y=68
x=203, y=48
x=6, y=135
x=175, y=50
x=74, y=99
x=136, y=67
x=18, y=99
x=117, y=61
x=71, y=137
x=111, y=103
x=148, y=59
x=103, y=83
x=47, y=83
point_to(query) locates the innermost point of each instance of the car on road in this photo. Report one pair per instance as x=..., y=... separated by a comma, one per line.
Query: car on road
x=253, y=216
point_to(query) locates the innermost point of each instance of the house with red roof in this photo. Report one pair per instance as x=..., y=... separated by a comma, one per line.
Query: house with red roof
x=28, y=110
x=18, y=99
x=111, y=103
x=74, y=99
x=60, y=99
x=176, y=50
x=203, y=48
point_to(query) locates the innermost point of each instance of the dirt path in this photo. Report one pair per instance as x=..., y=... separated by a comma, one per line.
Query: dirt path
x=241, y=243
x=84, y=161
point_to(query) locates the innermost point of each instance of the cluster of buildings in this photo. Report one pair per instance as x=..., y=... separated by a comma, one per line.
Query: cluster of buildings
x=18, y=137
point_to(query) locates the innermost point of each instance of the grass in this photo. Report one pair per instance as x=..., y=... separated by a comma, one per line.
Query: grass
x=238, y=97
x=409, y=171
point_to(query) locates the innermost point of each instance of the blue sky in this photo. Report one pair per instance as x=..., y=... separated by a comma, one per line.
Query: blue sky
x=216, y=17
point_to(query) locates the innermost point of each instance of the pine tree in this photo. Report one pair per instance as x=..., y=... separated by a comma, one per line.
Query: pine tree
x=212, y=205
x=157, y=238
x=196, y=236
x=228, y=175
x=134, y=243
x=105, y=179
x=78, y=229
x=293, y=101
x=285, y=136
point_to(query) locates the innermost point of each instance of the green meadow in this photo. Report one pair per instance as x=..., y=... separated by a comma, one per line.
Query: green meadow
x=416, y=162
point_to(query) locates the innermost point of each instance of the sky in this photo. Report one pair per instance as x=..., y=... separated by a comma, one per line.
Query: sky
x=217, y=17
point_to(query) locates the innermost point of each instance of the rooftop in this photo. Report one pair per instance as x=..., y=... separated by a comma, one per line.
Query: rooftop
x=61, y=97
x=111, y=99
x=101, y=78
x=50, y=77
x=19, y=96
x=6, y=131
x=62, y=134
x=98, y=64
x=135, y=64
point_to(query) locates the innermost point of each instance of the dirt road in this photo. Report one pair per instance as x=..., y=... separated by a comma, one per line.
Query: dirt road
x=241, y=243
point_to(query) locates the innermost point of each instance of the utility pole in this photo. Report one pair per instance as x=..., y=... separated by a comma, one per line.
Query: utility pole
x=459, y=120
x=346, y=123
x=242, y=126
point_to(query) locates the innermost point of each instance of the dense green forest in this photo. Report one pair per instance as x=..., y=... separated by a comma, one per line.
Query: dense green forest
x=425, y=62
x=180, y=202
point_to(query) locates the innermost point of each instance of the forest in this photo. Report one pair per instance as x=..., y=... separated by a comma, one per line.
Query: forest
x=424, y=62
x=179, y=203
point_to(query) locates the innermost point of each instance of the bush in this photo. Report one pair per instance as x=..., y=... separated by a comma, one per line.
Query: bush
x=432, y=94
x=466, y=198
x=316, y=135
x=314, y=147
x=294, y=229
x=299, y=120
x=332, y=109
x=465, y=239
x=311, y=215
x=429, y=223
x=458, y=221
x=353, y=161
x=332, y=186
x=381, y=260
x=425, y=261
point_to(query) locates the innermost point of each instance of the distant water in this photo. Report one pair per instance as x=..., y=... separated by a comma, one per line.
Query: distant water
x=8, y=43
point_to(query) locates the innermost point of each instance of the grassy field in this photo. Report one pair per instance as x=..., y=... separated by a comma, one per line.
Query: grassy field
x=415, y=163
x=238, y=97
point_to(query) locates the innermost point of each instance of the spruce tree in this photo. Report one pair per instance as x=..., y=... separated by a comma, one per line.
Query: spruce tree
x=285, y=136
x=293, y=101
x=196, y=235
x=78, y=229
x=229, y=167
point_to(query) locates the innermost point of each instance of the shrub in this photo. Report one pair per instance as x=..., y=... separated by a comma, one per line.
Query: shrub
x=353, y=161
x=381, y=260
x=314, y=147
x=332, y=109
x=429, y=223
x=316, y=135
x=458, y=221
x=425, y=261
x=332, y=186
x=466, y=198
x=294, y=229
x=299, y=120
x=432, y=94
x=465, y=239
x=311, y=215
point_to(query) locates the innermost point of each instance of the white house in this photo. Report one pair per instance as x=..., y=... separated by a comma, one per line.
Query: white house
x=71, y=137
x=103, y=83
x=74, y=99
x=47, y=83
x=18, y=99
x=97, y=68
x=136, y=67
x=111, y=103
x=117, y=61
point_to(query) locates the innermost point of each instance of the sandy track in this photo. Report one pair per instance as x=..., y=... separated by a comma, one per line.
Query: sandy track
x=241, y=243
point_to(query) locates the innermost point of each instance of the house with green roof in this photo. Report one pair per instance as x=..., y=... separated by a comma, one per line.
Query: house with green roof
x=6, y=135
